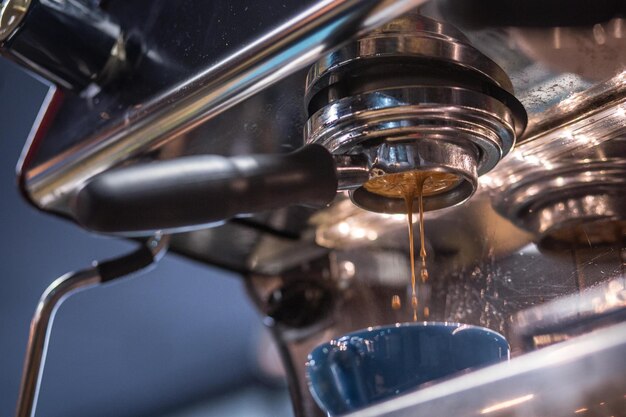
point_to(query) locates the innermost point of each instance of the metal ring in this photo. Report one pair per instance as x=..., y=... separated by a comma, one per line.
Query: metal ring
x=567, y=196
x=324, y=72
x=419, y=112
x=425, y=154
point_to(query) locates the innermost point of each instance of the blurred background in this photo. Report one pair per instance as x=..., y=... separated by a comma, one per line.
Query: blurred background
x=181, y=340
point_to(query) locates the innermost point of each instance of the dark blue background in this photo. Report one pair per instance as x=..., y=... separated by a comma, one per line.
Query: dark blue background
x=179, y=334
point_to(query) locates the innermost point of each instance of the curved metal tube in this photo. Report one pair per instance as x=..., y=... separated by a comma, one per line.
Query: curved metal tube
x=292, y=46
x=50, y=301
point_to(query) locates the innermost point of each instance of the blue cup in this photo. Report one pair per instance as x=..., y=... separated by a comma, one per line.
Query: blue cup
x=375, y=364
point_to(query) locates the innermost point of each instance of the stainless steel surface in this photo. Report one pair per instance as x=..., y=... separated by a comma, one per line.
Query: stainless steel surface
x=39, y=336
x=41, y=324
x=352, y=171
x=272, y=57
x=577, y=197
x=432, y=154
x=567, y=317
x=414, y=95
x=558, y=205
x=410, y=35
x=11, y=14
x=272, y=120
x=484, y=269
x=472, y=279
x=595, y=51
x=585, y=376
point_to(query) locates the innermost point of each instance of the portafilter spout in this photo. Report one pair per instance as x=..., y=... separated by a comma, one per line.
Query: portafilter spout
x=414, y=95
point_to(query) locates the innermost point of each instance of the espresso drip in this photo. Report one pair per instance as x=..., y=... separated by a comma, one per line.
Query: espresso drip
x=415, y=188
x=411, y=186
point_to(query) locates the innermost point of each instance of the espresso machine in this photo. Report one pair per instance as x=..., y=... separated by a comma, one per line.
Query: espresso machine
x=246, y=135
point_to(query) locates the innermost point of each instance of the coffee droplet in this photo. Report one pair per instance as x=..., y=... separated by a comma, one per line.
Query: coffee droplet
x=426, y=312
x=424, y=274
x=396, y=303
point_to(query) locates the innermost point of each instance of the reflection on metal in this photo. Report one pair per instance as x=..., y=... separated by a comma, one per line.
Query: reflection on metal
x=41, y=325
x=283, y=51
x=62, y=288
x=11, y=14
x=587, y=372
x=352, y=171
x=595, y=52
x=115, y=65
x=507, y=404
x=570, y=316
x=485, y=270
x=566, y=184
x=576, y=199
x=347, y=226
x=414, y=95
x=579, y=120
x=92, y=53
x=558, y=206
x=574, y=125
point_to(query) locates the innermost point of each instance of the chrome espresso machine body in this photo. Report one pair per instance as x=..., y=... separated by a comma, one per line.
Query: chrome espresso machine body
x=172, y=129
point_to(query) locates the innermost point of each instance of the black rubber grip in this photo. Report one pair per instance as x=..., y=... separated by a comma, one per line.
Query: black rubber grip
x=121, y=267
x=198, y=190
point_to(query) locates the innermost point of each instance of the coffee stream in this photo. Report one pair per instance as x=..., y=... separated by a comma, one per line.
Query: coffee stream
x=416, y=187
x=409, y=186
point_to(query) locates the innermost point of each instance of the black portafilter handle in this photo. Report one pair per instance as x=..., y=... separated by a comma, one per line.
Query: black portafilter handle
x=193, y=191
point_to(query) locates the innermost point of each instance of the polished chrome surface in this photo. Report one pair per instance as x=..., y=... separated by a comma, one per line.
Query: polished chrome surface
x=11, y=14
x=595, y=51
x=411, y=112
x=584, y=376
x=567, y=317
x=580, y=120
x=41, y=324
x=272, y=120
x=478, y=281
x=352, y=171
x=551, y=205
x=272, y=57
x=460, y=123
x=411, y=35
x=484, y=269
x=577, y=195
x=39, y=336
x=437, y=153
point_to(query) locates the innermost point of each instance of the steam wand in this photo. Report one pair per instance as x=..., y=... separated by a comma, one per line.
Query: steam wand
x=69, y=284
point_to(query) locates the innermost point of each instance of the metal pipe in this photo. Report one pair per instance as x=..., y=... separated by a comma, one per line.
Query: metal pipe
x=292, y=46
x=63, y=287
x=352, y=171
x=40, y=327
